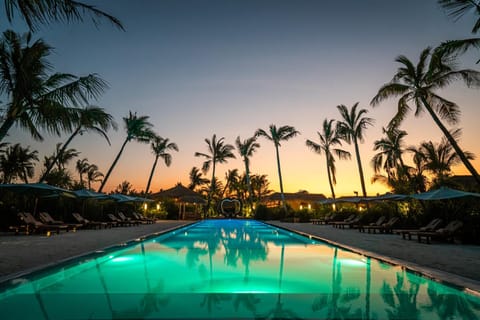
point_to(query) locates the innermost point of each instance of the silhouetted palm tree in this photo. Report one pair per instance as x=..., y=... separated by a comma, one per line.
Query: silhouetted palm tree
x=352, y=129
x=389, y=157
x=329, y=138
x=137, y=129
x=43, y=12
x=231, y=179
x=93, y=175
x=439, y=158
x=160, y=148
x=125, y=187
x=246, y=148
x=37, y=100
x=82, y=166
x=458, y=8
x=196, y=179
x=219, y=152
x=91, y=118
x=418, y=84
x=17, y=162
x=276, y=135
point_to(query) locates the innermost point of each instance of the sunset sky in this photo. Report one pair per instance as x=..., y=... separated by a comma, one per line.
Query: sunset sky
x=199, y=68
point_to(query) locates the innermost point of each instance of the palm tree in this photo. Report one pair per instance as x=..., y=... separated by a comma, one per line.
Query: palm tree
x=37, y=100
x=389, y=158
x=276, y=135
x=17, y=162
x=418, y=84
x=352, y=129
x=91, y=118
x=138, y=129
x=160, y=148
x=82, y=167
x=125, y=188
x=93, y=175
x=231, y=179
x=61, y=157
x=458, y=8
x=44, y=12
x=196, y=179
x=329, y=138
x=260, y=187
x=439, y=158
x=219, y=152
x=246, y=148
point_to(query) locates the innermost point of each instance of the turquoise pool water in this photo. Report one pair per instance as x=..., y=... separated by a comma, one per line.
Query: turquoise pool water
x=234, y=269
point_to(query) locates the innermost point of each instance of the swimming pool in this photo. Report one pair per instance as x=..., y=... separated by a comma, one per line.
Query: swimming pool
x=236, y=269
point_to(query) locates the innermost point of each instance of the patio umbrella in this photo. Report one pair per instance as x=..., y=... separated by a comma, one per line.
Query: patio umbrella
x=444, y=193
x=38, y=190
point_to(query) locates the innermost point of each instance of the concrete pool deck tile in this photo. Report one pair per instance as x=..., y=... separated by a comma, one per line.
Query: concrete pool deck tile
x=454, y=264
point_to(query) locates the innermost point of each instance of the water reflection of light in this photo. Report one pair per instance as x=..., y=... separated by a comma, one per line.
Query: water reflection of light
x=121, y=259
x=352, y=262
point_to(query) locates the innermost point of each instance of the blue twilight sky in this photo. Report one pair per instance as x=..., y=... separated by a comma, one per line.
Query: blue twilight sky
x=229, y=67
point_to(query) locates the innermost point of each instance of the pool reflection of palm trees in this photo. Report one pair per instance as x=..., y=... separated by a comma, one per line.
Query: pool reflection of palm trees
x=402, y=301
x=451, y=306
x=339, y=301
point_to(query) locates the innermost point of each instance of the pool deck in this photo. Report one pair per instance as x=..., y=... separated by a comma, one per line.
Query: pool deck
x=456, y=264
x=453, y=263
x=21, y=254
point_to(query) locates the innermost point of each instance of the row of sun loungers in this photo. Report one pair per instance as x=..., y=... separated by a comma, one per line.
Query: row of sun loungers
x=428, y=232
x=47, y=225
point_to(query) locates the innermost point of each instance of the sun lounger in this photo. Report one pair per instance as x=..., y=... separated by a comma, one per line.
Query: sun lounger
x=386, y=227
x=336, y=224
x=33, y=225
x=89, y=223
x=116, y=221
x=447, y=233
x=432, y=226
x=142, y=218
x=124, y=218
x=379, y=222
x=47, y=219
x=353, y=223
x=324, y=220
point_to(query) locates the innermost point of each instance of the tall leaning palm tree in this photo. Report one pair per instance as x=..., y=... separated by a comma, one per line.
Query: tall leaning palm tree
x=246, y=148
x=218, y=152
x=139, y=129
x=276, y=135
x=36, y=99
x=418, y=84
x=44, y=12
x=352, y=130
x=91, y=118
x=329, y=138
x=160, y=148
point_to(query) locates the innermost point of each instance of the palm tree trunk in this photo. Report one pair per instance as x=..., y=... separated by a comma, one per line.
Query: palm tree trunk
x=282, y=196
x=57, y=156
x=210, y=193
x=113, y=165
x=249, y=186
x=330, y=179
x=452, y=141
x=360, y=169
x=151, y=175
x=6, y=125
